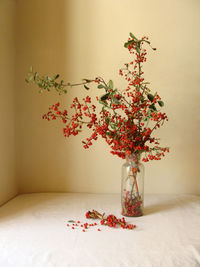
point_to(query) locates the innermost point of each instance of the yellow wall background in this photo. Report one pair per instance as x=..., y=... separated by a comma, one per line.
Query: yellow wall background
x=83, y=39
x=8, y=183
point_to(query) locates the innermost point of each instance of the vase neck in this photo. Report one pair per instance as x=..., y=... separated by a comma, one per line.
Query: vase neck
x=133, y=158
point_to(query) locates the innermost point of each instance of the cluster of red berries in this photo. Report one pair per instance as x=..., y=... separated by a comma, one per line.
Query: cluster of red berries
x=132, y=209
x=110, y=220
x=84, y=226
x=123, y=119
x=132, y=206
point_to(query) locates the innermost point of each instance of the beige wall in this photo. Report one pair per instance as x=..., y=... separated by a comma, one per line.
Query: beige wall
x=8, y=185
x=84, y=38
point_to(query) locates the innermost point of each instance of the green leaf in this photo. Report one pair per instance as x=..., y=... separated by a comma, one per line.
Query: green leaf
x=104, y=97
x=56, y=77
x=35, y=75
x=116, y=101
x=152, y=106
x=110, y=84
x=100, y=86
x=86, y=87
x=128, y=43
x=104, y=104
x=150, y=97
x=30, y=78
x=31, y=69
x=71, y=221
x=133, y=36
x=161, y=103
x=138, y=50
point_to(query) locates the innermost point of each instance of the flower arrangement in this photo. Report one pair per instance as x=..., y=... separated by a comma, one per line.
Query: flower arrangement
x=128, y=117
x=126, y=121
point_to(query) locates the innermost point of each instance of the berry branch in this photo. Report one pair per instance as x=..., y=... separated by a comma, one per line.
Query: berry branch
x=125, y=115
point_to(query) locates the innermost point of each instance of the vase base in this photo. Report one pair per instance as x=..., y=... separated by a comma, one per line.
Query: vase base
x=125, y=215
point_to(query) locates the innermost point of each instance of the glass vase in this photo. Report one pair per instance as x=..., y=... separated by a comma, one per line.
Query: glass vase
x=132, y=188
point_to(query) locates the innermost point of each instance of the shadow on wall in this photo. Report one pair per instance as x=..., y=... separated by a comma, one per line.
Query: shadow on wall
x=42, y=42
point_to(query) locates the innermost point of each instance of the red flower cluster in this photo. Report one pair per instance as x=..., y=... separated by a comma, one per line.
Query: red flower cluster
x=127, y=118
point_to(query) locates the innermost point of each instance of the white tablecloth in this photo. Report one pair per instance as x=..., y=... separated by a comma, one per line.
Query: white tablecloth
x=33, y=232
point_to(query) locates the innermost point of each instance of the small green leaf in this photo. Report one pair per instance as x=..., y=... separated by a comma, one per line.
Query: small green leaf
x=101, y=102
x=100, y=86
x=56, y=77
x=35, y=75
x=30, y=78
x=104, y=104
x=133, y=36
x=138, y=49
x=161, y=103
x=150, y=97
x=31, y=69
x=128, y=43
x=116, y=101
x=86, y=87
x=104, y=97
x=152, y=106
x=71, y=221
x=110, y=84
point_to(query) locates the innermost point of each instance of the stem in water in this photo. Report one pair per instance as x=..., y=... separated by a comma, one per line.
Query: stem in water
x=135, y=183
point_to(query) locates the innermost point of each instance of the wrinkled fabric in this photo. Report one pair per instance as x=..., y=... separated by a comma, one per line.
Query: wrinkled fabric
x=33, y=232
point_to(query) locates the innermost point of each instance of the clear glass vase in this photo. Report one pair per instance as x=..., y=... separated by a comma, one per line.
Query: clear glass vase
x=132, y=188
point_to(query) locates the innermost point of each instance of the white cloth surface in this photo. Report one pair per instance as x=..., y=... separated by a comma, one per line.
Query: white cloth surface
x=33, y=232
